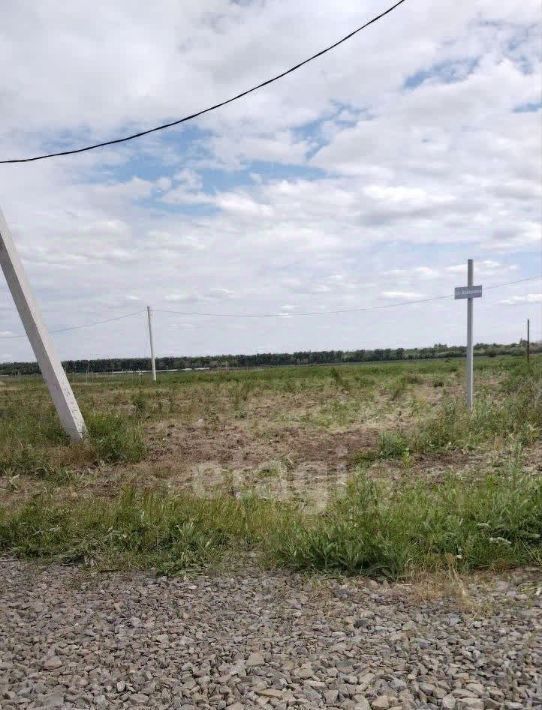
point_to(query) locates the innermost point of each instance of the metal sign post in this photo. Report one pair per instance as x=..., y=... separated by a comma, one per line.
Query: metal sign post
x=151, y=343
x=469, y=292
x=48, y=361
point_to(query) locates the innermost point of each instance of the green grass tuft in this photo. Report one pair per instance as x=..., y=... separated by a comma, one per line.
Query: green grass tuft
x=376, y=529
x=137, y=529
x=114, y=438
x=516, y=417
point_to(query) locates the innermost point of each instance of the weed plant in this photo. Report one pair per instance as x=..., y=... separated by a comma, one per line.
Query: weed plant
x=492, y=522
x=509, y=412
x=376, y=529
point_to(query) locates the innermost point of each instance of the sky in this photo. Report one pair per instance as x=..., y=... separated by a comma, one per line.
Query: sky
x=365, y=179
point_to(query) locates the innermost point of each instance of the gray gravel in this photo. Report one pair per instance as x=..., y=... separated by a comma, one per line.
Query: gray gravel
x=71, y=639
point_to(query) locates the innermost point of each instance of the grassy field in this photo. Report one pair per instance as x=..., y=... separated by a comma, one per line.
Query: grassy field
x=377, y=469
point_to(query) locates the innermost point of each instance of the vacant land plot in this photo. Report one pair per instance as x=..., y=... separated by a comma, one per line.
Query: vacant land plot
x=198, y=505
x=371, y=468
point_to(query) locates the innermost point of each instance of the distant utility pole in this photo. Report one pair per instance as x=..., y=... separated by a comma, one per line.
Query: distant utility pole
x=48, y=361
x=469, y=292
x=153, y=362
x=528, y=341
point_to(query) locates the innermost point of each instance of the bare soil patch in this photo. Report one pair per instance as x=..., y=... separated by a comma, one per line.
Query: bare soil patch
x=239, y=446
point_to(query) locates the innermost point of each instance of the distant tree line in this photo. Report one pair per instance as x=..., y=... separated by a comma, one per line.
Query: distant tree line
x=273, y=359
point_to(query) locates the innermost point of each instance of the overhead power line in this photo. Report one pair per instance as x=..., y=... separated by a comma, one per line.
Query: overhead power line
x=192, y=116
x=287, y=314
x=78, y=327
x=511, y=283
x=284, y=314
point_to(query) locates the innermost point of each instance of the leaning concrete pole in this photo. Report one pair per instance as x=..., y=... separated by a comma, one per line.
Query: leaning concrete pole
x=48, y=361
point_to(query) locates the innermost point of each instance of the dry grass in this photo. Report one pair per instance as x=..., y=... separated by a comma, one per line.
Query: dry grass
x=288, y=432
x=298, y=436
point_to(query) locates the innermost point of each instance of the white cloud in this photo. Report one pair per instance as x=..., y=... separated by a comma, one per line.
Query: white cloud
x=528, y=298
x=220, y=293
x=320, y=192
x=406, y=198
x=168, y=241
x=402, y=294
x=182, y=297
x=424, y=272
x=484, y=267
x=243, y=205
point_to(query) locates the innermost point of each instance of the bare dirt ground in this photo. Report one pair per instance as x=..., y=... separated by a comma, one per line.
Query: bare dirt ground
x=301, y=444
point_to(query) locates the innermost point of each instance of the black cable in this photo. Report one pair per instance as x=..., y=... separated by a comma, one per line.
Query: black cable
x=511, y=283
x=274, y=315
x=210, y=108
x=78, y=327
x=342, y=310
x=304, y=313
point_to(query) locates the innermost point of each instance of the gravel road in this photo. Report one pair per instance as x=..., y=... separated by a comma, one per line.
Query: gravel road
x=72, y=639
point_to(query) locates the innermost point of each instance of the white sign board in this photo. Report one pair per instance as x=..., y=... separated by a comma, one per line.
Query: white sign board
x=468, y=292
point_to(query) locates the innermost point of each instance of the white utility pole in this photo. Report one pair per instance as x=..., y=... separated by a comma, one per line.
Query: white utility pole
x=528, y=341
x=153, y=361
x=469, y=292
x=48, y=361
